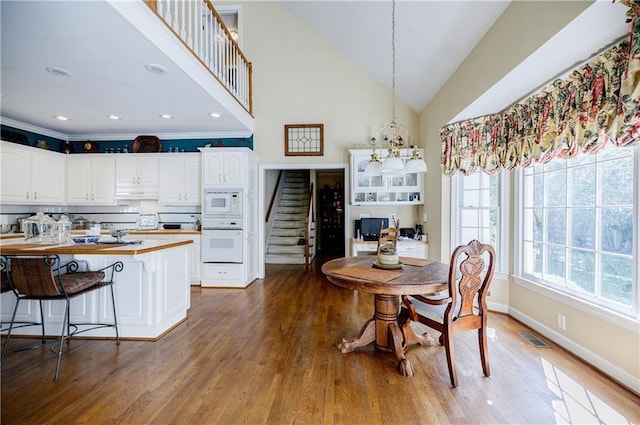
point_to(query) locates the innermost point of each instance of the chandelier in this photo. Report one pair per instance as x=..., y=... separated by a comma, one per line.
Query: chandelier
x=394, y=135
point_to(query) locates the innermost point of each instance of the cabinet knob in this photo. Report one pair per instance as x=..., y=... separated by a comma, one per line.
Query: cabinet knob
x=35, y=195
x=26, y=195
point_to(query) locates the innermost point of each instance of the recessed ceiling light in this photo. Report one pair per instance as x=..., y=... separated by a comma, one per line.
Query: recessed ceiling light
x=216, y=114
x=167, y=116
x=114, y=117
x=154, y=68
x=58, y=72
x=61, y=117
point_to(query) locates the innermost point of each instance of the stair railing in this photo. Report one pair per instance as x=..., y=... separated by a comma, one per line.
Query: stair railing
x=203, y=32
x=274, y=196
x=307, y=231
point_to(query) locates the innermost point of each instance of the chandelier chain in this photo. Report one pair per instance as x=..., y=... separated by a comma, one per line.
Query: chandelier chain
x=393, y=62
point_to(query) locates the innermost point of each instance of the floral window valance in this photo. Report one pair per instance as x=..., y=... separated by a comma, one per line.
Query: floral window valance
x=598, y=103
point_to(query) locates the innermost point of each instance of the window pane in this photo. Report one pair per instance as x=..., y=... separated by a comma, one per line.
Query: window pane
x=538, y=222
x=555, y=184
x=363, y=180
x=411, y=179
x=468, y=234
x=616, y=230
x=582, y=271
x=485, y=197
x=582, y=186
x=469, y=217
x=616, y=274
x=470, y=198
x=533, y=258
x=472, y=181
x=556, y=225
x=583, y=228
x=554, y=264
x=538, y=189
x=376, y=181
x=616, y=178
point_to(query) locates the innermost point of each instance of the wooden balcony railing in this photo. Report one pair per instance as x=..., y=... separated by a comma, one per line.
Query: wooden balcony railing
x=202, y=31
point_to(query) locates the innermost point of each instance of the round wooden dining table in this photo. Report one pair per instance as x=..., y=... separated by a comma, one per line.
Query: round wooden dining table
x=416, y=276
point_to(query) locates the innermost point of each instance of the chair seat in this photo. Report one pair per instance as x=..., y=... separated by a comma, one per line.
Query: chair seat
x=78, y=282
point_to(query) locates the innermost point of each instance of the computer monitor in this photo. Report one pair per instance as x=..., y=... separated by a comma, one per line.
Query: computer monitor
x=370, y=227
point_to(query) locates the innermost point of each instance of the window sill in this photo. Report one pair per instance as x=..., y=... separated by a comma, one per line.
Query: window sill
x=624, y=322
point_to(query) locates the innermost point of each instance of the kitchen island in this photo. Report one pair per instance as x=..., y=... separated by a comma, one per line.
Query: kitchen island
x=152, y=291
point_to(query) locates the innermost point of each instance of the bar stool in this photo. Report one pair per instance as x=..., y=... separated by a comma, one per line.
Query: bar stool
x=43, y=277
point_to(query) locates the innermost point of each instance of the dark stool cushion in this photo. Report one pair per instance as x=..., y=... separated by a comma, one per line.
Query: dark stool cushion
x=76, y=282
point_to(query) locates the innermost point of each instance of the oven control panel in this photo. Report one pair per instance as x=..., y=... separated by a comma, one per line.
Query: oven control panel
x=219, y=223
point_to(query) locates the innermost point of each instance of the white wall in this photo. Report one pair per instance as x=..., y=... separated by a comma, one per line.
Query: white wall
x=300, y=79
x=589, y=333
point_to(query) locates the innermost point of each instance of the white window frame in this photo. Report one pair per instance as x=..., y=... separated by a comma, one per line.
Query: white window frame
x=629, y=319
x=502, y=231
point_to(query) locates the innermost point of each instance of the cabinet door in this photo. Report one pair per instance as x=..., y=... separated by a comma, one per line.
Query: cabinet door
x=148, y=172
x=126, y=172
x=212, y=168
x=78, y=180
x=170, y=177
x=48, y=174
x=103, y=177
x=192, y=192
x=15, y=174
x=234, y=168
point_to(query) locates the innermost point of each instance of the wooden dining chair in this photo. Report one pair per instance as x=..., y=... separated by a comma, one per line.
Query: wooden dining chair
x=44, y=278
x=463, y=307
x=388, y=237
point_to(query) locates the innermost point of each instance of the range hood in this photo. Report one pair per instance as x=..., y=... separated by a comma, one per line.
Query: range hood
x=135, y=195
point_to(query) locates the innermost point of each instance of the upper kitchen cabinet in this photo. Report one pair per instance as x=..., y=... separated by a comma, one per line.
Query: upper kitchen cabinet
x=180, y=179
x=225, y=166
x=31, y=175
x=91, y=179
x=136, y=176
x=401, y=189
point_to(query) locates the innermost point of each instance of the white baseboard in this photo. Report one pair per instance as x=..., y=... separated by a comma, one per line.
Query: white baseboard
x=613, y=371
x=497, y=307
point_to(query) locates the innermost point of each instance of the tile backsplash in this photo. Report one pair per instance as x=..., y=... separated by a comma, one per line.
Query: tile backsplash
x=117, y=217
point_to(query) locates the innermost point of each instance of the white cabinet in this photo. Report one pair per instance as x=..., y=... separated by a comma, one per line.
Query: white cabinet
x=224, y=275
x=31, y=175
x=195, y=254
x=180, y=179
x=136, y=175
x=224, y=166
x=406, y=189
x=91, y=179
x=405, y=248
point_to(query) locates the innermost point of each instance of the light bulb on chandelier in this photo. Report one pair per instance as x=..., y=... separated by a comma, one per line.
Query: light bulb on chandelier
x=394, y=135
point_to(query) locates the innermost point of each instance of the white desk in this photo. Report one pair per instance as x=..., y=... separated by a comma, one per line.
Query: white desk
x=405, y=248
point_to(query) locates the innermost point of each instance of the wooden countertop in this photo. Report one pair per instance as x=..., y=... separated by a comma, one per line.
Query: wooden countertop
x=89, y=249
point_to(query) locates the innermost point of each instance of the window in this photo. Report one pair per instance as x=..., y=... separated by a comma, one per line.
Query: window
x=478, y=213
x=579, y=219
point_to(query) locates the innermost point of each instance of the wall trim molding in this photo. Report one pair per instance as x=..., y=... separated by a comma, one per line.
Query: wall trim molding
x=614, y=372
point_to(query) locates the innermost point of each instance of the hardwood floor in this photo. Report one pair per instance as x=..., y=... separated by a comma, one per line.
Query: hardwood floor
x=267, y=355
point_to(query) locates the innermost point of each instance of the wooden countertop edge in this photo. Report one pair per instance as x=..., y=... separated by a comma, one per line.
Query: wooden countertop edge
x=99, y=250
x=359, y=241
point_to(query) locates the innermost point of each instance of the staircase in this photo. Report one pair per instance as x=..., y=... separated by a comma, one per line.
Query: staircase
x=286, y=241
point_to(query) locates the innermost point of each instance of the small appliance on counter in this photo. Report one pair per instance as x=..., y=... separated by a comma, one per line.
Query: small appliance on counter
x=147, y=221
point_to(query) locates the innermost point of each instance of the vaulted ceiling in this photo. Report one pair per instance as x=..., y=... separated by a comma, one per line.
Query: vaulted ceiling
x=106, y=56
